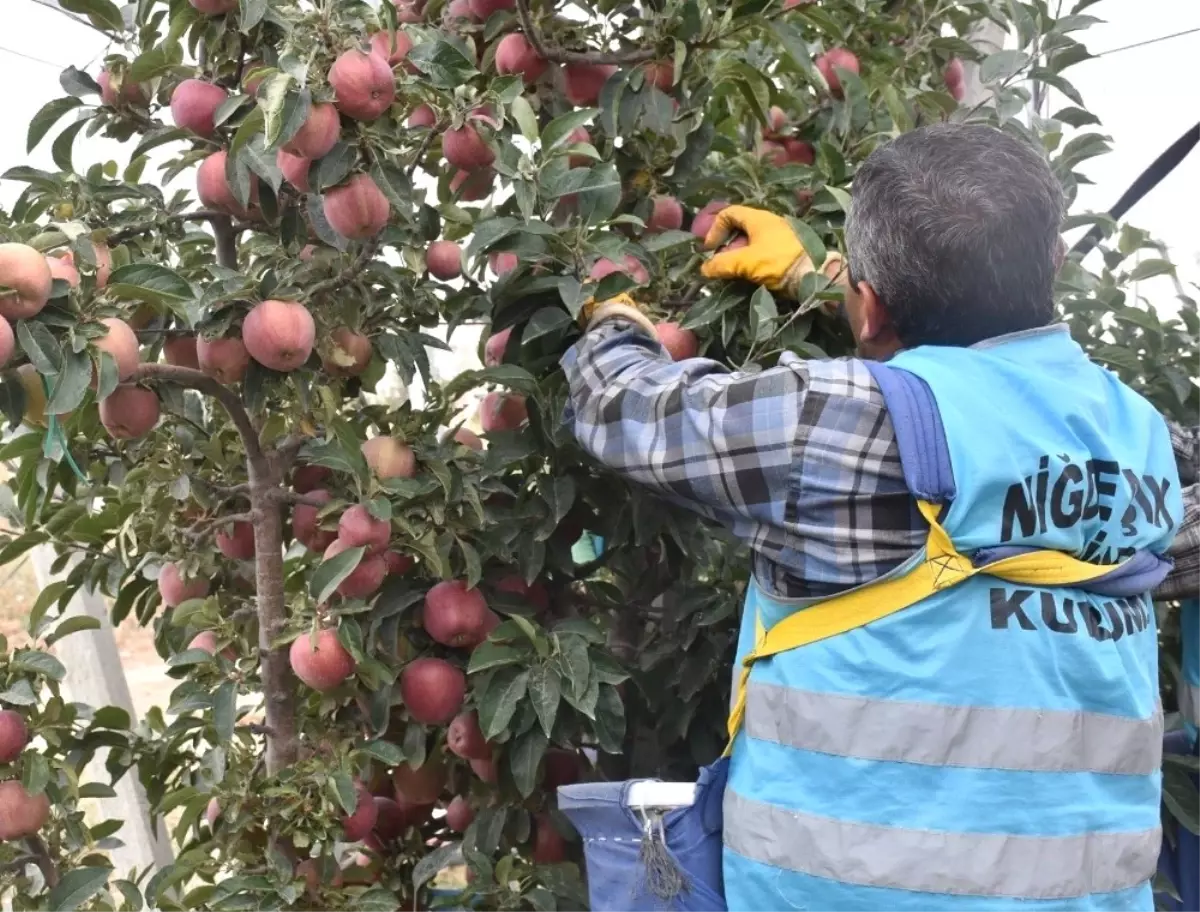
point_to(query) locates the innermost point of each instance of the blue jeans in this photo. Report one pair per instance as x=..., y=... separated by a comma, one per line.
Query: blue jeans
x=1181, y=864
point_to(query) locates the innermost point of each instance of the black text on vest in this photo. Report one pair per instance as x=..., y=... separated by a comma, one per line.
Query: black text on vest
x=1041, y=609
x=1071, y=493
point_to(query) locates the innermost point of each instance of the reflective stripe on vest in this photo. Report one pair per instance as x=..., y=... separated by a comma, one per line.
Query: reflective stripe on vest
x=985, y=737
x=962, y=864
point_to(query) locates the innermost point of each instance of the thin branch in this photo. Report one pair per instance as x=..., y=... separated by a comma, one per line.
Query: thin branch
x=559, y=55
x=237, y=490
x=80, y=19
x=421, y=150
x=193, y=379
x=291, y=497
x=199, y=215
x=44, y=862
x=227, y=237
x=204, y=526
x=347, y=274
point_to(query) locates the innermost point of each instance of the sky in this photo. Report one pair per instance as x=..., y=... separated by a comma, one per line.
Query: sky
x=1144, y=96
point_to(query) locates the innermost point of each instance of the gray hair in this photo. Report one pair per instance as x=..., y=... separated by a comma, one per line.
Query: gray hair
x=956, y=227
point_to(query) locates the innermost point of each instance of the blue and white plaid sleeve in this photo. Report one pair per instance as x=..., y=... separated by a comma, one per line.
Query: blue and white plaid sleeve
x=717, y=441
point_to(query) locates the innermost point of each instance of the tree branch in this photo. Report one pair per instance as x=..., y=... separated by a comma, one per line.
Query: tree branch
x=560, y=55
x=337, y=281
x=198, y=215
x=193, y=379
x=45, y=863
x=291, y=497
x=223, y=231
x=204, y=526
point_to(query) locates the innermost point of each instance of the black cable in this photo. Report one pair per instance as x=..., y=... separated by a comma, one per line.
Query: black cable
x=1147, y=181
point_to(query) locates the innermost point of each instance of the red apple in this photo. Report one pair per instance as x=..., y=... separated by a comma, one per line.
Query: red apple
x=840, y=58
x=322, y=665
x=455, y=615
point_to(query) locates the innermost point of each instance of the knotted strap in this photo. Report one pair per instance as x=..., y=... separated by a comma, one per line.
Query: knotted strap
x=942, y=567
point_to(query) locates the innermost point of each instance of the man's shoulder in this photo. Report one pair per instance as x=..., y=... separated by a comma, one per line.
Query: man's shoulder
x=837, y=378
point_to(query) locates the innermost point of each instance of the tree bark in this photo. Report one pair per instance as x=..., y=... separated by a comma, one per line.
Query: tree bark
x=266, y=497
x=227, y=250
x=278, y=683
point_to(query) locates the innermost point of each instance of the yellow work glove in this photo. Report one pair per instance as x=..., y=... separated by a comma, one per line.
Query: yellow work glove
x=774, y=256
x=621, y=307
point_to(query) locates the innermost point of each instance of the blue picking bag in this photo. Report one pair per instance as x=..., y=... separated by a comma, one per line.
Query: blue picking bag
x=640, y=861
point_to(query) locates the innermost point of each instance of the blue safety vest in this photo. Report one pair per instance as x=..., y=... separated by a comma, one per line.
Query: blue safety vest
x=995, y=744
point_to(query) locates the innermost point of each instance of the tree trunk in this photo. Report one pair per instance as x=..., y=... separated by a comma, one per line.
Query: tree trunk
x=279, y=685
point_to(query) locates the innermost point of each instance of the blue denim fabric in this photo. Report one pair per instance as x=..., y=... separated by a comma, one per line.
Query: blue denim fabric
x=612, y=834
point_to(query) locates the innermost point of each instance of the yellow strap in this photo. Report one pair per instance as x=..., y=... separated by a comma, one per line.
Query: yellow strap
x=942, y=568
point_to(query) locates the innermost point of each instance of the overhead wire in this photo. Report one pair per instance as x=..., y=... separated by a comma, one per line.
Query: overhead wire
x=1138, y=44
x=8, y=50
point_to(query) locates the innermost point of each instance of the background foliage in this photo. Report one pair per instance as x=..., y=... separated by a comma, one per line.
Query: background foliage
x=630, y=653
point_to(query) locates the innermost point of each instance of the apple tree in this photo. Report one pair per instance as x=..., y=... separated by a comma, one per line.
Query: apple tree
x=387, y=649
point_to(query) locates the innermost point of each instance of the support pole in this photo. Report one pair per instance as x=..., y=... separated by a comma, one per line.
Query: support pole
x=95, y=676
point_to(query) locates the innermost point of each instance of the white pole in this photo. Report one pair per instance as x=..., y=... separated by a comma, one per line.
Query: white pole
x=95, y=676
x=987, y=37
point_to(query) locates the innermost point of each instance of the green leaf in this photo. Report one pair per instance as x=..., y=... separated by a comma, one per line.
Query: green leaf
x=273, y=98
x=610, y=720
x=47, y=117
x=500, y=701
x=545, y=691
x=523, y=114
x=813, y=245
x=40, y=662
x=20, y=694
x=330, y=574
x=572, y=295
x=493, y=655
x=35, y=774
x=665, y=240
x=189, y=657
x=47, y=597
x=155, y=62
x=541, y=899
x=763, y=315
x=76, y=887
x=225, y=711
x=384, y=751
x=559, y=130
x=60, y=150
x=102, y=13
x=131, y=894
x=431, y=864
x=549, y=321
x=1002, y=65
x=72, y=625
x=1148, y=269
x=78, y=83
x=252, y=125
x=378, y=899
x=251, y=13
x=336, y=166
x=524, y=757
x=1180, y=796
x=343, y=791
x=150, y=283
x=71, y=383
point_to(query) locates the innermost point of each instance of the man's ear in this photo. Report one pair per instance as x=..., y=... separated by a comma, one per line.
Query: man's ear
x=1060, y=254
x=874, y=318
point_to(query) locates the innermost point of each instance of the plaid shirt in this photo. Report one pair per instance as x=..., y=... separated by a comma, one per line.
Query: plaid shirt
x=800, y=460
x=1184, y=581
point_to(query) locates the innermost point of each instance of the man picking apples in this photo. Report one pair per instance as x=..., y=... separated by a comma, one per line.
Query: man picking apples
x=946, y=693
